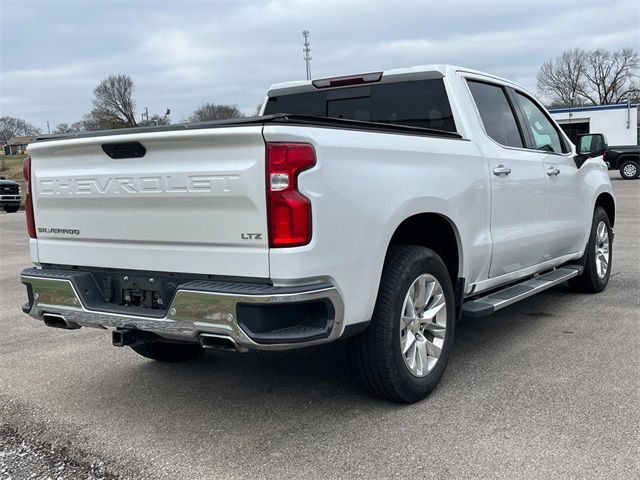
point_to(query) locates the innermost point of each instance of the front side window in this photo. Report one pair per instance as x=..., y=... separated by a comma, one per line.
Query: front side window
x=497, y=116
x=544, y=135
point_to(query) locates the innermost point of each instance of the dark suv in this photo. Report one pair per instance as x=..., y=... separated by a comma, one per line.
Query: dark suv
x=10, y=195
x=626, y=159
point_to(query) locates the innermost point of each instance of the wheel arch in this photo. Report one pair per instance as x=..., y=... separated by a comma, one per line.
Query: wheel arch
x=435, y=231
x=623, y=157
x=606, y=201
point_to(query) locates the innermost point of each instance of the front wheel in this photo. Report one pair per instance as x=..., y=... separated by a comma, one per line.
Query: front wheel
x=403, y=353
x=169, y=352
x=11, y=208
x=630, y=169
x=598, y=256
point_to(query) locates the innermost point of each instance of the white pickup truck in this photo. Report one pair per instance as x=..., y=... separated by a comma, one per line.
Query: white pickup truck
x=378, y=207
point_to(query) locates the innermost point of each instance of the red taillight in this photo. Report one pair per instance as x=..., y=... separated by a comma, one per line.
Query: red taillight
x=28, y=206
x=288, y=211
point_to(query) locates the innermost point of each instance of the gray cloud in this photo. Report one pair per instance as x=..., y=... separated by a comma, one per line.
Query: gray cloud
x=182, y=54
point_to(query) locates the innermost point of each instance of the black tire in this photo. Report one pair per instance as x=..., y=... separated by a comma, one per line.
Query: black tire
x=630, y=169
x=11, y=208
x=376, y=352
x=169, y=352
x=589, y=281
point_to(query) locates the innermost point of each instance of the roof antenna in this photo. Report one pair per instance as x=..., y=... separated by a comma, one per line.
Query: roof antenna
x=307, y=50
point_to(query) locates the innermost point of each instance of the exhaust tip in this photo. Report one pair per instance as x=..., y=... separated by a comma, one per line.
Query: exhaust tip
x=55, y=320
x=218, y=342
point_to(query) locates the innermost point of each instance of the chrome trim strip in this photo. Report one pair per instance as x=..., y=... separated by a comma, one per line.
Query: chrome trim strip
x=190, y=314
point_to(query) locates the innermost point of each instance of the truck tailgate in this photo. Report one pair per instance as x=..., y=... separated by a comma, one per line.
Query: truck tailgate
x=194, y=203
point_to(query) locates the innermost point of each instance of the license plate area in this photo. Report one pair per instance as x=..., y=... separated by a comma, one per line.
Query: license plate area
x=142, y=291
x=135, y=297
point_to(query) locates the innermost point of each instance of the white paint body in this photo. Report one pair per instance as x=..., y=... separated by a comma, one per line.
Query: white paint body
x=183, y=207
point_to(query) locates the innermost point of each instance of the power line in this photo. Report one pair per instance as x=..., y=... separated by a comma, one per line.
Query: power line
x=307, y=50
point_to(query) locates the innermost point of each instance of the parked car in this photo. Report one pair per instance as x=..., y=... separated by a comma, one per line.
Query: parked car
x=10, y=195
x=626, y=159
x=378, y=207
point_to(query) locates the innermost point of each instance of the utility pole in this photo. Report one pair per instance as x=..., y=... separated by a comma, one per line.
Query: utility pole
x=307, y=50
x=48, y=129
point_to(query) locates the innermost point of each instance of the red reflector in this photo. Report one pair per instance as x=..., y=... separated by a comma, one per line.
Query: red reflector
x=288, y=211
x=28, y=207
x=348, y=80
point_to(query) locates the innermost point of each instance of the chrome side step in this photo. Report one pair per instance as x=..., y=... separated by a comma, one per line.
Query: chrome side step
x=503, y=298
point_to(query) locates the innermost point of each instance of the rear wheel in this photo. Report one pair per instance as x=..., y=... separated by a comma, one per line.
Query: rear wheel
x=403, y=353
x=598, y=256
x=169, y=352
x=630, y=169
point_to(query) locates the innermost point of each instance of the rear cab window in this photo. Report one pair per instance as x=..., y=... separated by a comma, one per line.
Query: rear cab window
x=420, y=103
x=496, y=113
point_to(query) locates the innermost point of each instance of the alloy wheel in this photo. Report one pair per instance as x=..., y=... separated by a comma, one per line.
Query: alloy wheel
x=630, y=170
x=423, y=325
x=602, y=250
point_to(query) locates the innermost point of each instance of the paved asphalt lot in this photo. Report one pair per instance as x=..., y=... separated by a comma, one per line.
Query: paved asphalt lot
x=549, y=388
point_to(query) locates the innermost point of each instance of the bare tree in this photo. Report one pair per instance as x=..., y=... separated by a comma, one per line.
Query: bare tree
x=66, y=128
x=209, y=111
x=94, y=120
x=77, y=127
x=562, y=79
x=611, y=76
x=62, y=128
x=113, y=104
x=11, y=127
x=598, y=77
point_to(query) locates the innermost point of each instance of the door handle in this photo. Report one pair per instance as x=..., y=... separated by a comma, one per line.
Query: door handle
x=553, y=171
x=501, y=170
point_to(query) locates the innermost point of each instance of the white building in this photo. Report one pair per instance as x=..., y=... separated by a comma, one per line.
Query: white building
x=619, y=123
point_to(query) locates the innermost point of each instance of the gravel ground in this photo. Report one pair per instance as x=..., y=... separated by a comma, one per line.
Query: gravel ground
x=26, y=458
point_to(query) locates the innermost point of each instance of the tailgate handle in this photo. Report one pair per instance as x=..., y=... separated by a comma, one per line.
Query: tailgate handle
x=124, y=150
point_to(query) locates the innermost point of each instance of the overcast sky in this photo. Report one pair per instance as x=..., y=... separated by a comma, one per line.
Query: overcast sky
x=181, y=54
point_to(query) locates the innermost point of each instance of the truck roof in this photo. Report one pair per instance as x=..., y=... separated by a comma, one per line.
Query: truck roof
x=419, y=72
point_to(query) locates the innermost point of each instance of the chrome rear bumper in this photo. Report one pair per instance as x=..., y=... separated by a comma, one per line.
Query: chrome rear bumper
x=197, y=310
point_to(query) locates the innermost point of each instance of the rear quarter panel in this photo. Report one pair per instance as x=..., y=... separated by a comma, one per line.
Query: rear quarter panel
x=363, y=187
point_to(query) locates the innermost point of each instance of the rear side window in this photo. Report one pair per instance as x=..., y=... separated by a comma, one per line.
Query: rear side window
x=497, y=115
x=422, y=103
x=544, y=135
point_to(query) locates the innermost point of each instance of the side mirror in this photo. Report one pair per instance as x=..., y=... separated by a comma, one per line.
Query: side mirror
x=590, y=145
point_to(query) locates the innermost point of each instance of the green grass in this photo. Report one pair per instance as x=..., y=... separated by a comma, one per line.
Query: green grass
x=11, y=169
